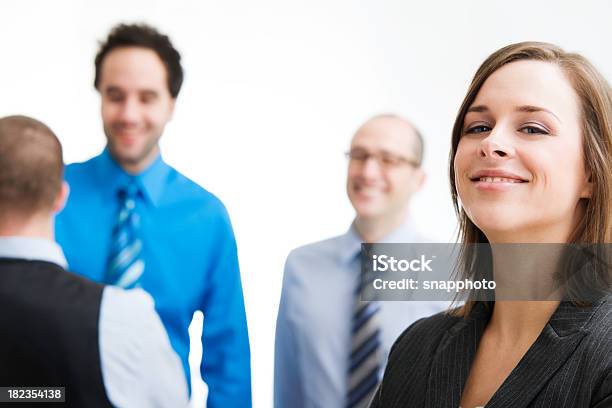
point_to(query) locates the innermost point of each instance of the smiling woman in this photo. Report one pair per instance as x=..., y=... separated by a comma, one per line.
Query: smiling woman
x=531, y=162
x=513, y=156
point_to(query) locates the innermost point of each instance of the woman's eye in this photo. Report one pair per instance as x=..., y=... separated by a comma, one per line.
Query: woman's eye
x=533, y=130
x=478, y=129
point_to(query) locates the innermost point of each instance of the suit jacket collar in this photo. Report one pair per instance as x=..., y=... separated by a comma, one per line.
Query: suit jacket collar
x=452, y=361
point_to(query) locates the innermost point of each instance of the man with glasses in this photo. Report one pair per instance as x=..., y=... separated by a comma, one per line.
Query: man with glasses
x=331, y=347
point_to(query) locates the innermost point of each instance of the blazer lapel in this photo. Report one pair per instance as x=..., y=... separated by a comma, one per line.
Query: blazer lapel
x=557, y=342
x=451, y=362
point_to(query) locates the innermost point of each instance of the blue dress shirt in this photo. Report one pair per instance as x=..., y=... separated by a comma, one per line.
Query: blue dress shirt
x=139, y=367
x=190, y=255
x=313, y=329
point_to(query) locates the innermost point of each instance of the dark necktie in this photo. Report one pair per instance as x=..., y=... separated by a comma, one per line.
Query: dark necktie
x=366, y=356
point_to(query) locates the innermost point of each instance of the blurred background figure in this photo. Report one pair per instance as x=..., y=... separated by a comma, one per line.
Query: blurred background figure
x=105, y=345
x=331, y=347
x=134, y=221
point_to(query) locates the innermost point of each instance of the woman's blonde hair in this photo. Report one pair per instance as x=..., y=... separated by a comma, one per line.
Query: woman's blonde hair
x=595, y=98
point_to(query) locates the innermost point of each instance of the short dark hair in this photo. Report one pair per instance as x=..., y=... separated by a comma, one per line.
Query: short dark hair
x=31, y=167
x=144, y=36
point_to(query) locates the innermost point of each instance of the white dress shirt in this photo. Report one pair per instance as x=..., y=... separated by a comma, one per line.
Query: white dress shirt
x=139, y=366
x=313, y=329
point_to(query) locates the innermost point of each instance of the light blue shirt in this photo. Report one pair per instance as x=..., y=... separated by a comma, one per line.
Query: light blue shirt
x=139, y=366
x=313, y=334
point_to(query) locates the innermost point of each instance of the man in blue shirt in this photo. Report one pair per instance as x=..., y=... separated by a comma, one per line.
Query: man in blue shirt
x=331, y=347
x=134, y=221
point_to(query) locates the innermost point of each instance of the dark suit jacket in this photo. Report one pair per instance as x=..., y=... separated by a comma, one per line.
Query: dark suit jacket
x=569, y=365
x=49, y=322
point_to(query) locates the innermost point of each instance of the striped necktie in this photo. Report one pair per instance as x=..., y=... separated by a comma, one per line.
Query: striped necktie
x=365, y=360
x=125, y=263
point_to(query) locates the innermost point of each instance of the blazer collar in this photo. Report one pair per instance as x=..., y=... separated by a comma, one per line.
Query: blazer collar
x=453, y=358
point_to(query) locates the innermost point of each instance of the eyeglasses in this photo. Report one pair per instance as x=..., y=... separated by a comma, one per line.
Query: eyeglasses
x=384, y=159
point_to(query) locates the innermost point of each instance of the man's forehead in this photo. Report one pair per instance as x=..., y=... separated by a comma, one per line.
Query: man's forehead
x=134, y=69
x=388, y=134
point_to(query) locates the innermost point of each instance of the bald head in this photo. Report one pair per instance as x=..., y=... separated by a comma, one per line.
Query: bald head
x=405, y=134
x=384, y=171
x=31, y=168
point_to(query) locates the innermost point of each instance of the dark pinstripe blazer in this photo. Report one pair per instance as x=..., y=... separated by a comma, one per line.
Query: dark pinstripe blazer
x=569, y=365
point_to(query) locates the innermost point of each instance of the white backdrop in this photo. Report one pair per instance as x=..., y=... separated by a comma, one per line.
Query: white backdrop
x=274, y=91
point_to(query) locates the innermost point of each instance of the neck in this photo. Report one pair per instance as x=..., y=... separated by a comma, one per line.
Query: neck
x=37, y=226
x=375, y=229
x=535, y=236
x=559, y=232
x=135, y=167
x=527, y=271
x=515, y=321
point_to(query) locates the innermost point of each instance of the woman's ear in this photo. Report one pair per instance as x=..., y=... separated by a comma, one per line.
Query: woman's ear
x=587, y=189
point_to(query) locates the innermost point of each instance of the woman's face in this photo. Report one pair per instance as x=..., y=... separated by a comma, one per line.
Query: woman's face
x=519, y=165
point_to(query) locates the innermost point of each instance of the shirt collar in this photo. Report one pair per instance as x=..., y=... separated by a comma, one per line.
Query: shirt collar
x=150, y=181
x=351, y=244
x=32, y=249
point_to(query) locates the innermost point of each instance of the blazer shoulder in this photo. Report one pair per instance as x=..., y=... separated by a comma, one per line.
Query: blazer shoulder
x=599, y=329
x=410, y=360
x=597, y=352
x=602, y=318
x=424, y=335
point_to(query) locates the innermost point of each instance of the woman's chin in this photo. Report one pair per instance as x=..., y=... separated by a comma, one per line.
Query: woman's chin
x=497, y=225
